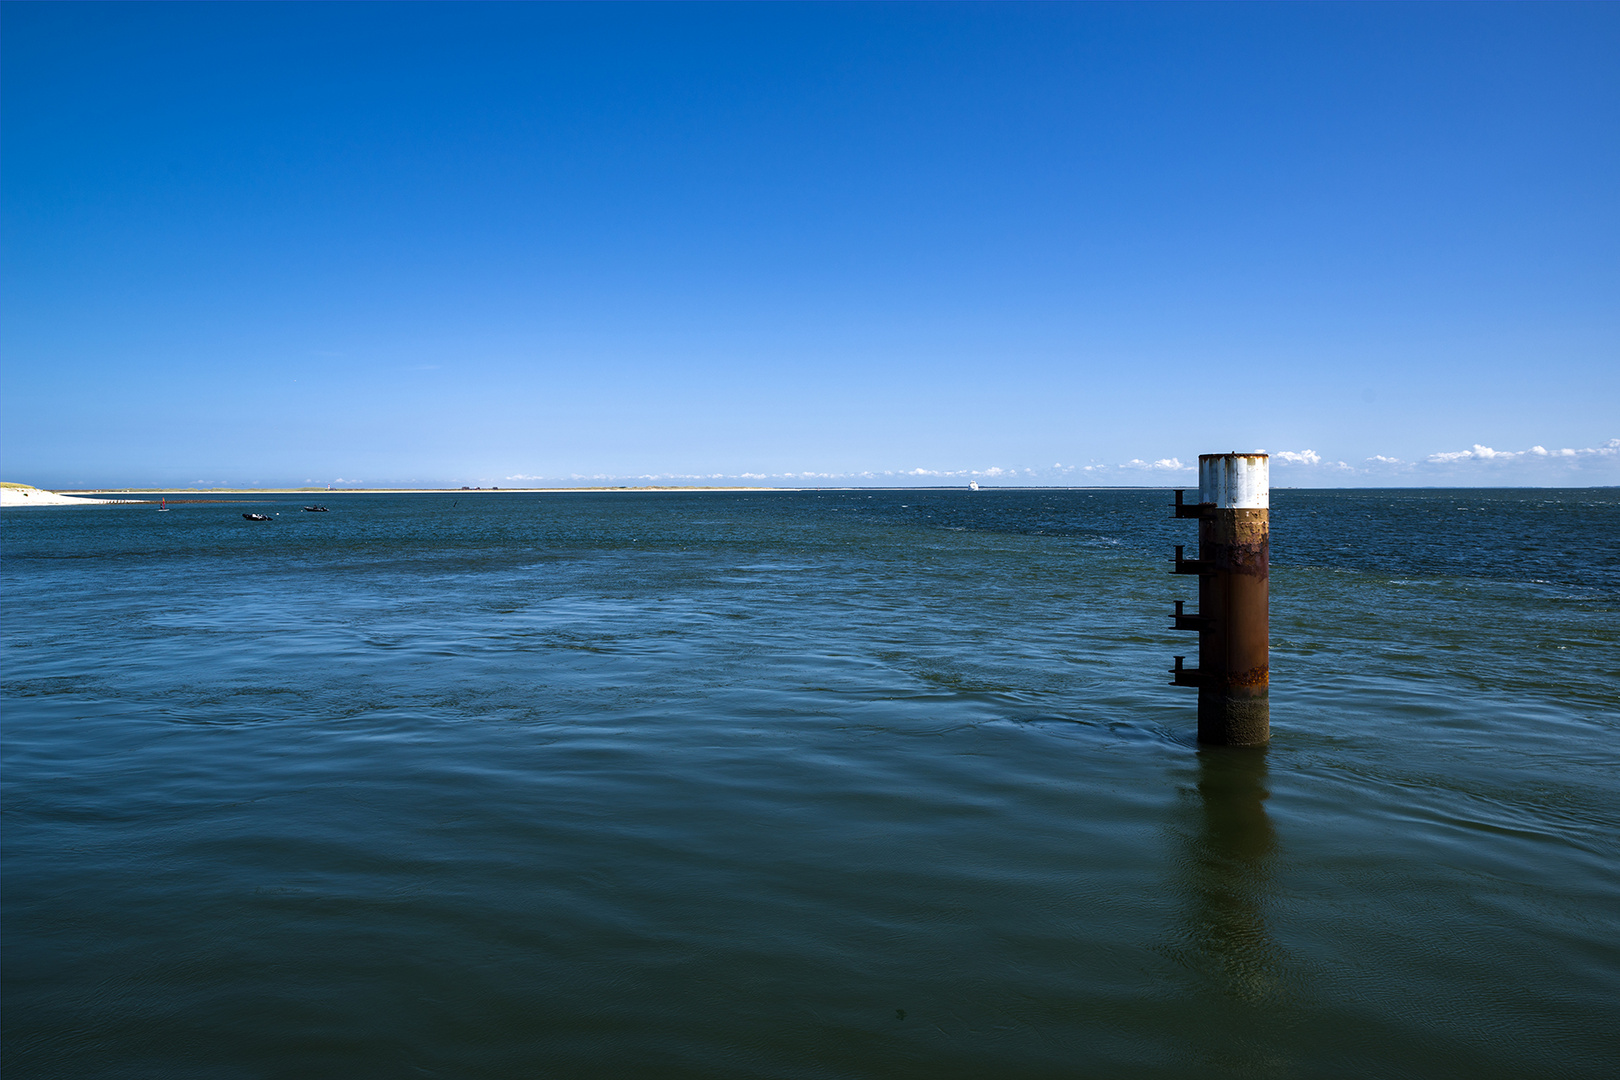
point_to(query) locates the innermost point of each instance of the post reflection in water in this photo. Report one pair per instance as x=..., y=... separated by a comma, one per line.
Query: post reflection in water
x=1228, y=867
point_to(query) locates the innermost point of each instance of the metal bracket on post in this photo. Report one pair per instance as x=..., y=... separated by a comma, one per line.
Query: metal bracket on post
x=1193, y=510
x=1183, y=621
x=1187, y=566
x=1183, y=676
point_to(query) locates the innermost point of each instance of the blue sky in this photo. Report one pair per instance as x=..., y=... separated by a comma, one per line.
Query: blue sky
x=818, y=244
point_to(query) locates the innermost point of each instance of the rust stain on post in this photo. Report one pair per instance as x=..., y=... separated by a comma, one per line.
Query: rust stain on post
x=1234, y=619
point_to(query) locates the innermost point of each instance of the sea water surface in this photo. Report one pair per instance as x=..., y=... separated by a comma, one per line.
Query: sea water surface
x=804, y=784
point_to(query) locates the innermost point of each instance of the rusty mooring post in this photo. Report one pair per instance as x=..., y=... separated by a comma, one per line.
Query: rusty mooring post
x=1233, y=621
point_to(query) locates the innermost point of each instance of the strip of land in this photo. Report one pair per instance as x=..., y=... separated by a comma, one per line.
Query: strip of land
x=312, y=491
x=25, y=495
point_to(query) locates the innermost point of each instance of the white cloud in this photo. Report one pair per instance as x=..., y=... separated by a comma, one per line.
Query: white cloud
x=1534, y=464
x=1480, y=452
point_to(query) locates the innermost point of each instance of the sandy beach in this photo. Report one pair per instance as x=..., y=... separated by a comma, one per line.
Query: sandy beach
x=25, y=495
x=13, y=494
x=323, y=492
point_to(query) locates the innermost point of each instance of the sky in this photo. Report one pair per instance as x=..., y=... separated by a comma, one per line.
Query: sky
x=808, y=245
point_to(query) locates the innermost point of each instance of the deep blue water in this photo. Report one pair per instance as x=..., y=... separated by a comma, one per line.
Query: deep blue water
x=816, y=784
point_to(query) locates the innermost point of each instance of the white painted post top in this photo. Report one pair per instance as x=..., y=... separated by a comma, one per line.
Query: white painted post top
x=1235, y=481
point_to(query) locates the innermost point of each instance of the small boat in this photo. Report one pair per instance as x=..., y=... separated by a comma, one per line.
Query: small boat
x=973, y=485
x=257, y=517
x=316, y=510
x=163, y=505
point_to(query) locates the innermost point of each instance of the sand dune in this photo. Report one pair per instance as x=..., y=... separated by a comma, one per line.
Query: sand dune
x=24, y=495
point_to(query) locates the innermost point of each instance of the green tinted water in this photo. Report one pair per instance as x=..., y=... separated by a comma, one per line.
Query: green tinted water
x=804, y=784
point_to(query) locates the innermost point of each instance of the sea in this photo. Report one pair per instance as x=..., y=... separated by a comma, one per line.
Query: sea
x=803, y=784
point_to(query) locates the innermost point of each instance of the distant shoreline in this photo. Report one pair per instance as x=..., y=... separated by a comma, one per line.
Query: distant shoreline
x=626, y=489
x=390, y=491
x=84, y=496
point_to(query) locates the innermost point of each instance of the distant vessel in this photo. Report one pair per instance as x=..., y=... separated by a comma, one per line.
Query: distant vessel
x=257, y=517
x=317, y=510
x=973, y=485
x=163, y=505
